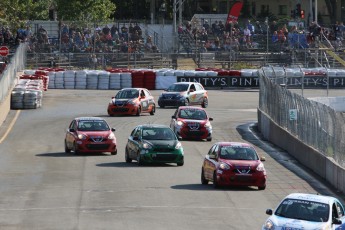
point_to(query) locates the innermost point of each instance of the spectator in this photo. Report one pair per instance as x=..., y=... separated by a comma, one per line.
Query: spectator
x=113, y=30
x=273, y=27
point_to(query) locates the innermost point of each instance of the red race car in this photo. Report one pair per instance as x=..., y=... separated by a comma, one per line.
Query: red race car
x=90, y=135
x=132, y=101
x=233, y=163
x=190, y=122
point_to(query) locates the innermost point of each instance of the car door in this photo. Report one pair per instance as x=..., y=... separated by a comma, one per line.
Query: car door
x=135, y=143
x=144, y=99
x=130, y=143
x=70, y=136
x=150, y=99
x=192, y=94
x=210, y=162
x=338, y=212
x=200, y=91
x=173, y=121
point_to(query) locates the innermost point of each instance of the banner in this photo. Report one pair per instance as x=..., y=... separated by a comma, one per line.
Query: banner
x=234, y=12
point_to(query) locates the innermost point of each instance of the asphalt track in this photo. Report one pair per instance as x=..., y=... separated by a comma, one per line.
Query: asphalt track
x=44, y=188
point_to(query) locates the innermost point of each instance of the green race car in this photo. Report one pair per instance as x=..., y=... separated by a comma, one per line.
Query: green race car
x=154, y=143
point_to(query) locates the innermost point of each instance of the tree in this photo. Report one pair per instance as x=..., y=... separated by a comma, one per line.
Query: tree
x=132, y=9
x=93, y=10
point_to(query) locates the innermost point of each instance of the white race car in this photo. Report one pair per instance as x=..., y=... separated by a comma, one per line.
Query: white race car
x=306, y=211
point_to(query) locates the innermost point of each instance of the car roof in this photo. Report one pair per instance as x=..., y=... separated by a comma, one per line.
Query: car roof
x=153, y=126
x=89, y=119
x=231, y=143
x=311, y=197
x=132, y=88
x=191, y=107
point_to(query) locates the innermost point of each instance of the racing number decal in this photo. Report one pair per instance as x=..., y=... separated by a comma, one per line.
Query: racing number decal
x=144, y=104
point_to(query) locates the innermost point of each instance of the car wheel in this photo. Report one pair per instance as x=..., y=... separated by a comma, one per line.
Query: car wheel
x=153, y=110
x=262, y=187
x=161, y=105
x=128, y=160
x=180, y=163
x=215, y=182
x=75, y=149
x=114, y=153
x=67, y=150
x=138, y=111
x=209, y=139
x=203, y=179
x=204, y=103
x=139, y=160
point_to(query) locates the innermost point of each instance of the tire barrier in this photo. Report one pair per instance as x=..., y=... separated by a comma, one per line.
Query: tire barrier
x=27, y=94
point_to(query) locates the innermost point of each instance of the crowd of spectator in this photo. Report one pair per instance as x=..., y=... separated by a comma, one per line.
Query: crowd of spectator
x=233, y=36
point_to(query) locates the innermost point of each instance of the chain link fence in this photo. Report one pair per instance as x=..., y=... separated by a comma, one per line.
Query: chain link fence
x=317, y=125
x=8, y=77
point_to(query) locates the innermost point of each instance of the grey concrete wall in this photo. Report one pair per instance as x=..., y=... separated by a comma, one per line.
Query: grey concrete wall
x=5, y=108
x=324, y=166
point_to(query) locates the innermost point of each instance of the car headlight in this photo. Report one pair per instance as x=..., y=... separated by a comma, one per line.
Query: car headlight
x=111, y=136
x=224, y=166
x=180, y=123
x=208, y=124
x=147, y=146
x=260, y=167
x=268, y=225
x=178, y=145
x=81, y=136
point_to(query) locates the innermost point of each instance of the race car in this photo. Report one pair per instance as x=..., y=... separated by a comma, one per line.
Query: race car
x=306, y=211
x=132, y=101
x=90, y=135
x=184, y=93
x=189, y=122
x=233, y=164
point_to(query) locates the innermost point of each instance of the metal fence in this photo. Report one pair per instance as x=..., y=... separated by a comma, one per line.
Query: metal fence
x=8, y=77
x=318, y=125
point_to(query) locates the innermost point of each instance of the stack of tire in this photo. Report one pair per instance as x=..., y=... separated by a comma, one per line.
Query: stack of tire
x=27, y=94
x=138, y=79
x=150, y=80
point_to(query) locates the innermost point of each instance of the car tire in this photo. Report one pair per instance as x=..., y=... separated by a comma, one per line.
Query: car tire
x=138, y=111
x=161, y=105
x=153, y=110
x=75, y=149
x=67, y=150
x=204, y=102
x=128, y=160
x=262, y=187
x=114, y=153
x=209, y=138
x=203, y=179
x=215, y=182
x=139, y=160
x=180, y=163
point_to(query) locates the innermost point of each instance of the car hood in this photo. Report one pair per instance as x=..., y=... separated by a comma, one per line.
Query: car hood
x=162, y=143
x=174, y=93
x=191, y=121
x=288, y=223
x=242, y=163
x=95, y=134
x=122, y=101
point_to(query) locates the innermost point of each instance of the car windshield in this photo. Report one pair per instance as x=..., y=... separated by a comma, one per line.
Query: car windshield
x=238, y=153
x=127, y=94
x=158, y=134
x=303, y=210
x=178, y=88
x=191, y=113
x=93, y=125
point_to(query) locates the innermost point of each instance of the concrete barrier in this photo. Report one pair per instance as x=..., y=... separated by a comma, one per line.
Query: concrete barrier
x=322, y=165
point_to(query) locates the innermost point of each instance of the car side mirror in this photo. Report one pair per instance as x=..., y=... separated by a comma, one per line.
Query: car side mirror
x=113, y=129
x=269, y=211
x=173, y=117
x=71, y=130
x=210, y=119
x=142, y=97
x=336, y=221
x=112, y=97
x=212, y=157
x=191, y=90
x=135, y=138
x=262, y=158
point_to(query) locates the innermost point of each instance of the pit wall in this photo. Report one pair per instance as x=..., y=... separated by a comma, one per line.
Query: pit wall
x=323, y=166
